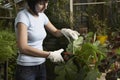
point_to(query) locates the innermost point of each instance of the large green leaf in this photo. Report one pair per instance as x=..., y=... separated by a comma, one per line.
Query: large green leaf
x=60, y=68
x=71, y=70
x=60, y=71
x=82, y=73
x=69, y=48
x=67, y=71
x=78, y=42
x=92, y=75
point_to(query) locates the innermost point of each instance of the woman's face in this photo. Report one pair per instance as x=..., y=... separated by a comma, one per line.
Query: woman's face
x=41, y=7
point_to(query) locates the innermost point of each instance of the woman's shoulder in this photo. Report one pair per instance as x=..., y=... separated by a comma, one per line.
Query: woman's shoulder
x=22, y=12
x=22, y=17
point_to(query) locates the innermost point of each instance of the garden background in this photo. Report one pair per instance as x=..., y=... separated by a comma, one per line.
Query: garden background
x=98, y=16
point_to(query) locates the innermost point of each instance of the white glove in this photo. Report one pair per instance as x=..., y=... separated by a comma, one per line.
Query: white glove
x=70, y=33
x=55, y=56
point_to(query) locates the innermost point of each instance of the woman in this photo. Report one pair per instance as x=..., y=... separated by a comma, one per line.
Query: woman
x=30, y=25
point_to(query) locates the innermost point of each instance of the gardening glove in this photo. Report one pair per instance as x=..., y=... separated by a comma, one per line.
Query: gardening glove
x=70, y=33
x=55, y=56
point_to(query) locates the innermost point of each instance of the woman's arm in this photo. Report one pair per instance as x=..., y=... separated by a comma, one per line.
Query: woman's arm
x=23, y=45
x=64, y=31
x=52, y=29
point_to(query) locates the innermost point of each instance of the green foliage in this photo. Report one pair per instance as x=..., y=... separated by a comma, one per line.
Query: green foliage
x=118, y=51
x=76, y=45
x=58, y=12
x=92, y=75
x=100, y=25
x=7, y=45
x=83, y=65
x=66, y=71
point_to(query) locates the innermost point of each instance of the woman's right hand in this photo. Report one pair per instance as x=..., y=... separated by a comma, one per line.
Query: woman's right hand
x=55, y=56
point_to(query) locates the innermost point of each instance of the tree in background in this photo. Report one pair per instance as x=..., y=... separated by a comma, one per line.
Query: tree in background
x=58, y=13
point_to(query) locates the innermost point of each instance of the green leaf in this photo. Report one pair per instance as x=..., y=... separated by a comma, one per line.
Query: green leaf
x=82, y=73
x=70, y=48
x=61, y=77
x=78, y=42
x=118, y=51
x=92, y=75
x=71, y=70
x=1, y=0
x=67, y=71
x=59, y=69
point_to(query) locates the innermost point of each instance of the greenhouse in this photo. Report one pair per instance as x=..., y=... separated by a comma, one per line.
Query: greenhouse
x=59, y=39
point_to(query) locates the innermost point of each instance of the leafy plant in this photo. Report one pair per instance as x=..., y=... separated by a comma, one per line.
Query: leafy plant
x=60, y=13
x=100, y=25
x=86, y=54
x=110, y=65
x=7, y=45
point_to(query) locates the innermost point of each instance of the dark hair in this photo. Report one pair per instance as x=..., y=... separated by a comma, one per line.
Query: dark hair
x=32, y=3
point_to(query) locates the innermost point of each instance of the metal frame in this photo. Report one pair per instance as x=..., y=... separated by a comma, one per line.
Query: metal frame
x=92, y=3
x=80, y=4
x=71, y=13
